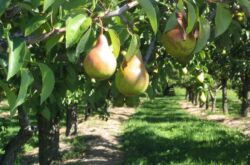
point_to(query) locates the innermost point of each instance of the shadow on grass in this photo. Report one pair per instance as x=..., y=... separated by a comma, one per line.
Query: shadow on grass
x=161, y=133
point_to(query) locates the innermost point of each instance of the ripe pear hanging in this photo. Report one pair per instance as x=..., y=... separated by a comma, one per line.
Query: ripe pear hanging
x=132, y=78
x=100, y=63
x=179, y=44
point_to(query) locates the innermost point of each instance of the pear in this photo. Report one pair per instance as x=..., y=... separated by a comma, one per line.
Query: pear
x=184, y=70
x=100, y=63
x=203, y=97
x=177, y=46
x=177, y=42
x=132, y=78
x=201, y=77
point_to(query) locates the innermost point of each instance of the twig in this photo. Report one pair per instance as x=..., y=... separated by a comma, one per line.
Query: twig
x=150, y=50
x=34, y=39
x=127, y=22
x=121, y=10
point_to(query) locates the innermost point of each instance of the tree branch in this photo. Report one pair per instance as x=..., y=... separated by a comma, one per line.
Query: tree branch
x=121, y=10
x=150, y=50
x=127, y=22
x=34, y=39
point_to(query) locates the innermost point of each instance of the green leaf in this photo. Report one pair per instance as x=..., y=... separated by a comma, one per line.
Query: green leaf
x=204, y=34
x=47, y=4
x=223, y=19
x=93, y=5
x=245, y=5
x=180, y=5
x=122, y=32
x=1, y=30
x=75, y=27
x=25, y=6
x=191, y=17
x=71, y=54
x=171, y=23
x=81, y=46
x=48, y=81
x=116, y=44
x=74, y=4
x=71, y=78
x=4, y=4
x=17, y=52
x=133, y=47
x=11, y=97
x=34, y=24
x=151, y=13
x=46, y=113
x=52, y=41
x=35, y=3
x=3, y=65
x=26, y=81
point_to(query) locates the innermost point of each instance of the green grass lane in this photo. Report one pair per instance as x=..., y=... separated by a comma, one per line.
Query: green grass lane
x=162, y=133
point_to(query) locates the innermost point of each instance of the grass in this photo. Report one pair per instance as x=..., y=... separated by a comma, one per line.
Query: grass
x=78, y=148
x=9, y=128
x=162, y=133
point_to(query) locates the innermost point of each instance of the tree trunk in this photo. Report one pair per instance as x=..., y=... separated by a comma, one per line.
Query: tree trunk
x=224, y=96
x=187, y=93
x=196, y=101
x=48, y=139
x=213, y=99
x=245, y=106
x=87, y=111
x=71, y=119
x=193, y=97
x=207, y=101
x=190, y=95
x=15, y=144
x=201, y=103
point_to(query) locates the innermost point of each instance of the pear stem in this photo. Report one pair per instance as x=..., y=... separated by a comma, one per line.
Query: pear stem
x=182, y=23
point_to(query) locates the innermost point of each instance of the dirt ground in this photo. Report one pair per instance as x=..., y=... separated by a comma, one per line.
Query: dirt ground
x=101, y=138
x=243, y=124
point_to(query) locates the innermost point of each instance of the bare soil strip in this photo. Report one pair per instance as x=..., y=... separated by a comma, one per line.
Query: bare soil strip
x=243, y=124
x=103, y=138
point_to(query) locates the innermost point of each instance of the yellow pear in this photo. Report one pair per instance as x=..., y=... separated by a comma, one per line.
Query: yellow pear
x=132, y=78
x=201, y=77
x=203, y=97
x=100, y=63
x=184, y=70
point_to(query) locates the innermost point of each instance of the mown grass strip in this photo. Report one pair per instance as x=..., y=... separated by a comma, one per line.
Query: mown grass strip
x=163, y=133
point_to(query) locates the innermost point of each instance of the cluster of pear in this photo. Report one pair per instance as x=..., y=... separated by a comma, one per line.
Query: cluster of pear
x=131, y=78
